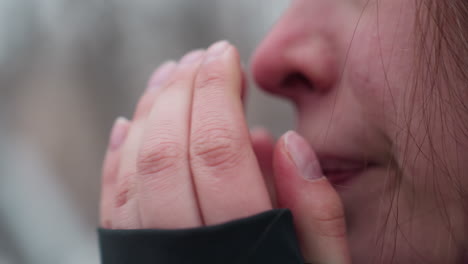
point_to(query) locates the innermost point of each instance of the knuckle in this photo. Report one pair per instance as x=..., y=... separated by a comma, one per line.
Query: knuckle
x=210, y=78
x=179, y=79
x=125, y=190
x=330, y=220
x=332, y=227
x=217, y=148
x=156, y=158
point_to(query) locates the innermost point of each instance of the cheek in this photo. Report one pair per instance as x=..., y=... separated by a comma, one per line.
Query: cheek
x=379, y=68
x=380, y=73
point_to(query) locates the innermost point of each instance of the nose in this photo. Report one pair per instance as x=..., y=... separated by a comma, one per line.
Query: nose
x=297, y=57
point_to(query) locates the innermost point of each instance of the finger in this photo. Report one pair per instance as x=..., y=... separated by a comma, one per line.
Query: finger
x=110, y=169
x=125, y=212
x=158, y=79
x=317, y=208
x=227, y=177
x=166, y=194
x=263, y=146
x=244, y=85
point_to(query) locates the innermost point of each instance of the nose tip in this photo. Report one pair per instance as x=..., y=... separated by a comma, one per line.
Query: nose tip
x=292, y=65
x=268, y=66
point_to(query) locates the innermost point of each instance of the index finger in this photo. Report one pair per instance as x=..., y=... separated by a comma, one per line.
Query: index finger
x=228, y=180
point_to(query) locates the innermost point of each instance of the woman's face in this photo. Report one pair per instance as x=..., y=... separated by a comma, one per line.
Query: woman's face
x=385, y=138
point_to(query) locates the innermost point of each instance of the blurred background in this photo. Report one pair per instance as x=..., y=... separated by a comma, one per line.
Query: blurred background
x=67, y=69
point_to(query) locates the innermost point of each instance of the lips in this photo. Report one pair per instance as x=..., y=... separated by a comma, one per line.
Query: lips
x=342, y=170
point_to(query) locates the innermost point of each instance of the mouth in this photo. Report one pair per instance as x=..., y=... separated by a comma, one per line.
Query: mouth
x=340, y=171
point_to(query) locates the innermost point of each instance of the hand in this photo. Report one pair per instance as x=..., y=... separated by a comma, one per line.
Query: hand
x=300, y=186
x=187, y=159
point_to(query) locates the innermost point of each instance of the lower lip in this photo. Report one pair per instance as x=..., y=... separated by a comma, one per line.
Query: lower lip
x=343, y=177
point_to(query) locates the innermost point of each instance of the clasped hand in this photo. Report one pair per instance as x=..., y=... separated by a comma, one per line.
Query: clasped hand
x=187, y=159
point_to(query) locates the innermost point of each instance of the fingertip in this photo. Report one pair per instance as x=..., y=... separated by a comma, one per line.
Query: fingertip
x=157, y=80
x=193, y=56
x=217, y=51
x=262, y=144
x=110, y=169
x=260, y=130
x=118, y=133
x=260, y=133
x=161, y=74
x=303, y=157
x=297, y=170
x=316, y=206
x=221, y=69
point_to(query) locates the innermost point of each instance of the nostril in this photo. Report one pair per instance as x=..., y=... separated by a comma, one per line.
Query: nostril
x=297, y=81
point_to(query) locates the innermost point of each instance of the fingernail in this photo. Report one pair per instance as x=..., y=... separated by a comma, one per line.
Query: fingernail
x=119, y=133
x=192, y=57
x=217, y=49
x=161, y=74
x=302, y=156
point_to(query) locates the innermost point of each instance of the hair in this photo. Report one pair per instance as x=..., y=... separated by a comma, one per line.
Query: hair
x=440, y=82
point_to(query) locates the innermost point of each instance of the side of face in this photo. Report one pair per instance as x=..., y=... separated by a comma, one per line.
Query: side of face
x=351, y=68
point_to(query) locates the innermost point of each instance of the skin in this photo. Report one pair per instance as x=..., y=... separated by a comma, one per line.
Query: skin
x=364, y=102
x=181, y=161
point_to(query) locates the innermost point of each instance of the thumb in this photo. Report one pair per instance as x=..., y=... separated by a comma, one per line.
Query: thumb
x=316, y=207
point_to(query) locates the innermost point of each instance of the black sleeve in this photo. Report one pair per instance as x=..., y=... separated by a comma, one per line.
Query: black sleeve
x=267, y=237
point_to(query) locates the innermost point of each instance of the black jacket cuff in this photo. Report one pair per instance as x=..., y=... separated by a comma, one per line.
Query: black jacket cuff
x=267, y=237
